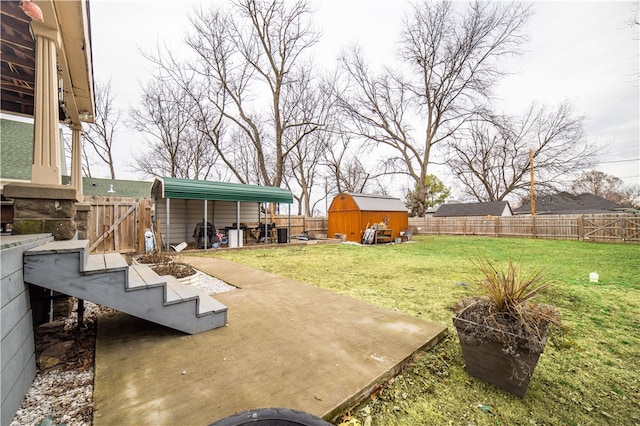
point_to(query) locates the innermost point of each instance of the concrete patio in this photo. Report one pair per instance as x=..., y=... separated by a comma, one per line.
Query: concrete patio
x=287, y=344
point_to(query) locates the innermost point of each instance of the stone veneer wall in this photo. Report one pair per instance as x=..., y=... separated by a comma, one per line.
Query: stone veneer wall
x=39, y=209
x=43, y=209
x=82, y=219
x=18, y=346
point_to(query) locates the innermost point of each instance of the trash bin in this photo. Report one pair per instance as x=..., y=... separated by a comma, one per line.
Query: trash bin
x=235, y=238
x=282, y=235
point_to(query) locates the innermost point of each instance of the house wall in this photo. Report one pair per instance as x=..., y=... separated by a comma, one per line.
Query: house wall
x=346, y=218
x=17, y=356
x=186, y=214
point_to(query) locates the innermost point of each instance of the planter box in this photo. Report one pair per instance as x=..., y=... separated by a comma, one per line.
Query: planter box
x=190, y=280
x=490, y=362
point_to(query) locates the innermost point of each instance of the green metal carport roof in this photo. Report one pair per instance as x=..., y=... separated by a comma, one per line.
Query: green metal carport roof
x=166, y=187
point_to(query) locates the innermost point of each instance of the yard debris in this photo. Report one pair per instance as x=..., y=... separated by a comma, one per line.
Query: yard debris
x=178, y=248
x=486, y=409
x=54, y=354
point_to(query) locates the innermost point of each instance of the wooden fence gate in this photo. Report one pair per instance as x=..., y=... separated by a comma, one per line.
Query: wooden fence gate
x=118, y=224
x=622, y=228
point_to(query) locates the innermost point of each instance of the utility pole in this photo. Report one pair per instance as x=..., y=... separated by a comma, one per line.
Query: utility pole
x=326, y=197
x=532, y=190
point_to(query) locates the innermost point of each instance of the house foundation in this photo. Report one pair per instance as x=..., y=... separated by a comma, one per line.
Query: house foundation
x=44, y=209
x=41, y=209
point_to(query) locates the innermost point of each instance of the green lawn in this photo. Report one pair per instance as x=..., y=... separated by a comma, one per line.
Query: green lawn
x=588, y=374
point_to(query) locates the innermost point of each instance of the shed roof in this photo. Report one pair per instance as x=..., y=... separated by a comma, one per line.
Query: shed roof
x=492, y=208
x=186, y=189
x=373, y=202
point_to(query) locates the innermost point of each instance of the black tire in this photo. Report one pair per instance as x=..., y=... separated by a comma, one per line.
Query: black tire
x=272, y=417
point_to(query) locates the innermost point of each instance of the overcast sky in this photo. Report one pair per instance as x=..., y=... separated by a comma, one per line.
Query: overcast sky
x=584, y=52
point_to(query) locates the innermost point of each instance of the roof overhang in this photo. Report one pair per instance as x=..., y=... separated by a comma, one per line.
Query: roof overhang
x=164, y=187
x=69, y=22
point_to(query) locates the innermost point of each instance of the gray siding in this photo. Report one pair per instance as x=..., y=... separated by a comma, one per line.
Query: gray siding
x=186, y=214
x=17, y=347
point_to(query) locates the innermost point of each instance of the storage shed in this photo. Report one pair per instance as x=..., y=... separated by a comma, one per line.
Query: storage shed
x=350, y=214
x=237, y=211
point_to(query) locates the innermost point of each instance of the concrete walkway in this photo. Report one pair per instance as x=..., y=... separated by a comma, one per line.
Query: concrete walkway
x=287, y=344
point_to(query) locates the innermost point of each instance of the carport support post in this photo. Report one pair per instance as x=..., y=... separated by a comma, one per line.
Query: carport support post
x=186, y=215
x=266, y=228
x=205, y=225
x=167, y=226
x=289, y=226
x=238, y=222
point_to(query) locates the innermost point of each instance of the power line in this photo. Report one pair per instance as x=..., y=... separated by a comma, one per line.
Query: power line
x=618, y=161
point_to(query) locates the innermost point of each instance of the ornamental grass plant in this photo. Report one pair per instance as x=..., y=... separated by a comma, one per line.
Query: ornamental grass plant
x=505, y=312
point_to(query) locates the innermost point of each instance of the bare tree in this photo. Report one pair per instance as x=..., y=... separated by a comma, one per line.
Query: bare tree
x=86, y=161
x=247, y=55
x=305, y=159
x=601, y=184
x=346, y=172
x=168, y=119
x=450, y=57
x=491, y=157
x=310, y=104
x=98, y=138
x=632, y=196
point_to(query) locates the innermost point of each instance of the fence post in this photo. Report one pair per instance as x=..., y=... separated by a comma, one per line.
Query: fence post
x=580, y=228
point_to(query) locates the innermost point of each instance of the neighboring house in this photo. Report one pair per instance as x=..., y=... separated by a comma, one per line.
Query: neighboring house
x=16, y=150
x=492, y=208
x=566, y=203
x=93, y=187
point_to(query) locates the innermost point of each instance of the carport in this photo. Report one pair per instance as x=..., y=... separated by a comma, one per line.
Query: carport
x=238, y=211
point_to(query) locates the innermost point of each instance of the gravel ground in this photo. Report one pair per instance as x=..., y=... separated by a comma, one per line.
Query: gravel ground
x=63, y=393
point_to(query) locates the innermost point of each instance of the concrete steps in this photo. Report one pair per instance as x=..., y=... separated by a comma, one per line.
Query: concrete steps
x=106, y=279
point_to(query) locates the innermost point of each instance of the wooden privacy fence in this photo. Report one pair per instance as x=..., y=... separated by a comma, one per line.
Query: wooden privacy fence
x=315, y=226
x=601, y=227
x=118, y=224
